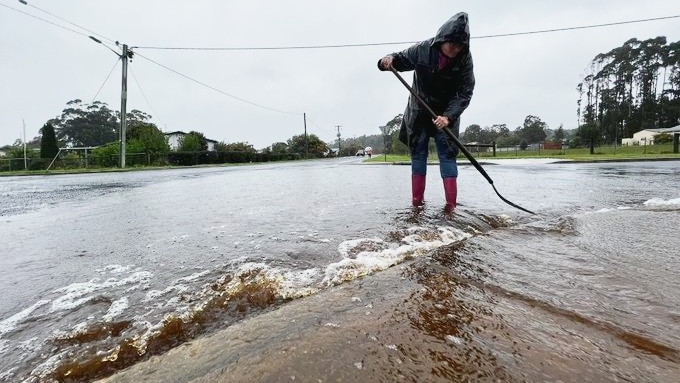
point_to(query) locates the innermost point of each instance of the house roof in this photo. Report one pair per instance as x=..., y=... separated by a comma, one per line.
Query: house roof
x=179, y=132
x=665, y=130
x=671, y=130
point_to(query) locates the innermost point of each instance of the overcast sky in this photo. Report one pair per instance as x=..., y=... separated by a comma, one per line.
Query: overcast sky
x=44, y=66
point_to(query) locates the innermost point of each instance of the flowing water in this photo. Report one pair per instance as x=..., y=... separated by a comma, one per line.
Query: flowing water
x=321, y=271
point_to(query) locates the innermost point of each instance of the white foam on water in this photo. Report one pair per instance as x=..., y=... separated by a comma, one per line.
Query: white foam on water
x=296, y=284
x=117, y=307
x=659, y=203
x=603, y=210
x=176, y=286
x=29, y=345
x=522, y=161
x=369, y=255
x=454, y=339
x=10, y=323
x=4, y=345
x=79, y=328
x=115, y=269
x=193, y=277
x=78, y=294
x=43, y=369
x=5, y=376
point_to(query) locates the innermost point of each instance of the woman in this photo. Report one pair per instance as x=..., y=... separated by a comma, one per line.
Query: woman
x=444, y=79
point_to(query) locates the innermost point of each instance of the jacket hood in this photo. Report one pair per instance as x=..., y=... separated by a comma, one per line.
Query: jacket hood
x=456, y=29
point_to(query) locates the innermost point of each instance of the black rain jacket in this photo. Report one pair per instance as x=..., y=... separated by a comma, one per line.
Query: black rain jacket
x=447, y=91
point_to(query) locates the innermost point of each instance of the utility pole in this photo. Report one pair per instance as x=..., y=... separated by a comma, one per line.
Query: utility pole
x=123, y=105
x=25, y=161
x=338, y=126
x=304, y=116
x=125, y=56
x=384, y=130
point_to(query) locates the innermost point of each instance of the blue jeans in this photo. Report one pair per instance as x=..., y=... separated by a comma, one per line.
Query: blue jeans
x=447, y=153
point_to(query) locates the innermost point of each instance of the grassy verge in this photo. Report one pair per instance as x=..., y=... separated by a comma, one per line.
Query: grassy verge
x=601, y=153
x=110, y=170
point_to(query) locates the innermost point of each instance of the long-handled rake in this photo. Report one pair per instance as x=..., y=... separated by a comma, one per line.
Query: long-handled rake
x=460, y=146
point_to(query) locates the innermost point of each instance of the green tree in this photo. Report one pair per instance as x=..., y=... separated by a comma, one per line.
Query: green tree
x=137, y=116
x=589, y=136
x=235, y=147
x=48, y=143
x=533, y=130
x=298, y=144
x=663, y=138
x=145, y=137
x=504, y=137
x=279, y=148
x=472, y=133
x=394, y=124
x=393, y=129
x=86, y=124
x=559, y=134
x=632, y=87
x=107, y=155
x=193, y=142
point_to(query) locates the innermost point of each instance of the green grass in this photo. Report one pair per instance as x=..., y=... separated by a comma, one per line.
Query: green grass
x=601, y=153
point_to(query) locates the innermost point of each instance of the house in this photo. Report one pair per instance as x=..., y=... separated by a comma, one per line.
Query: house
x=646, y=136
x=175, y=138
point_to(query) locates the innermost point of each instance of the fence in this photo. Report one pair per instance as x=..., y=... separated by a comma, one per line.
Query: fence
x=537, y=150
x=86, y=161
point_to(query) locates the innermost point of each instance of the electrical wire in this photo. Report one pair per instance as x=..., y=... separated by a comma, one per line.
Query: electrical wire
x=407, y=42
x=144, y=95
x=511, y=34
x=64, y=20
x=46, y=21
x=105, y=80
x=317, y=126
x=215, y=89
x=574, y=28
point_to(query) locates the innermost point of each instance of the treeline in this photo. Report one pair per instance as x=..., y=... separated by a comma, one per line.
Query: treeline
x=96, y=127
x=532, y=131
x=630, y=88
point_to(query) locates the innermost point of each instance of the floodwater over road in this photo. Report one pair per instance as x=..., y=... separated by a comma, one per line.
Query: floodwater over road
x=321, y=271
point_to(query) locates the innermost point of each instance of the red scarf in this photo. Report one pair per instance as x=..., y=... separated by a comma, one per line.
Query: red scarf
x=443, y=61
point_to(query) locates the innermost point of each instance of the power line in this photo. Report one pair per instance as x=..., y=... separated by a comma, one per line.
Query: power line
x=405, y=42
x=217, y=90
x=580, y=27
x=146, y=58
x=105, y=80
x=317, y=126
x=46, y=21
x=278, y=48
x=293, y=47
x=144, y=95
x=62, y=19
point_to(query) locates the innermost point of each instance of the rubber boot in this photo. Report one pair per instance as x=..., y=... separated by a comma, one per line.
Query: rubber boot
x=417, y=189
x=451, y=193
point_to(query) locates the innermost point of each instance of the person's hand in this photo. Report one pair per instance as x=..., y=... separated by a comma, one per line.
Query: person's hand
x=441, y=122
x=386, y=62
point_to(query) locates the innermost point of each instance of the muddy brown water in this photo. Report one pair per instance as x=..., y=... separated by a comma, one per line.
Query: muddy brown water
x=320, y=271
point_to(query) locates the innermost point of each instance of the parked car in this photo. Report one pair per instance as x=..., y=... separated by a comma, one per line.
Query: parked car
x=360, y=152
